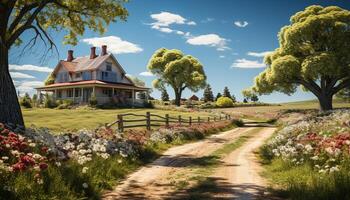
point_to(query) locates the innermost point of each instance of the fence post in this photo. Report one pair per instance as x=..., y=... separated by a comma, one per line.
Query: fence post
x=167, y=120
x=226, y=117
x=180, y=119
x=208, y=119
x=120, y=124
x=220, y=117
x=148, y=121
x=190, y=121
x=199, y=119
x=229, y=116
x=214, y=118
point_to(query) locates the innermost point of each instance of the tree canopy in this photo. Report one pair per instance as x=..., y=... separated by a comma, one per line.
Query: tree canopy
x=314, y=52
x=208, y=94
x=226, y=93
x=177, y=70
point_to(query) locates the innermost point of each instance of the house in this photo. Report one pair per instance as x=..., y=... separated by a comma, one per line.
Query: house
x=194, y=98
x=101, y=76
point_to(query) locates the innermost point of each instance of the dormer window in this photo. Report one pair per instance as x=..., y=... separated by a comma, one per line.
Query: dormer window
x=108, y=66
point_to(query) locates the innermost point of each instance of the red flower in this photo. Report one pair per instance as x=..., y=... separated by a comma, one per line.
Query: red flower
x=43, y=166
x=12, y=134
x=18, y=167
x=5, y=131
x=44, y=149
x=27, y=160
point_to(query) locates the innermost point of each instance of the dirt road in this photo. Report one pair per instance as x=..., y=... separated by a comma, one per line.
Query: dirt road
x=239, y=170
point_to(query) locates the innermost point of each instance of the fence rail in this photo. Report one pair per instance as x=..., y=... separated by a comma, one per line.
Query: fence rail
x=150, y=120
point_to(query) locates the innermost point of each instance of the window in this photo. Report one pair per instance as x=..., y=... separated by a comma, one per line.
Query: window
x=108, y=66
x=70, y=93
x=78, y=75
x=77, y=92
x=59, y=94
x=107, y=92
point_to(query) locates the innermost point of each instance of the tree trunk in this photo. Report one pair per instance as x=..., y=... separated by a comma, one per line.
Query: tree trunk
x=177, y=97
x=325, y=102
x=10, y=111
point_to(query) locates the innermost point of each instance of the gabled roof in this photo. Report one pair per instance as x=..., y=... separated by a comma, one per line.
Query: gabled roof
x=85, y=63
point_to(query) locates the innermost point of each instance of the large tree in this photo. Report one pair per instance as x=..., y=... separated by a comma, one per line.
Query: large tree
x=41, y=17
x=314, y=52
x=177, y=70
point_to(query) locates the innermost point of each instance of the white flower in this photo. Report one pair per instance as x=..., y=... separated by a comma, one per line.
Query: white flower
x=119, y=161
x=58, y=164
x=85, y=185
x=314, y=158
x=333, y=169
x=84, y=170
x=5, y=158
x=32, y=144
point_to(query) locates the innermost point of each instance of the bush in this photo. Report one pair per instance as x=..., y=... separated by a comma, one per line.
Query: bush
x=93, y=101
x=49, y=102
x=224, y=102
x=26, y=101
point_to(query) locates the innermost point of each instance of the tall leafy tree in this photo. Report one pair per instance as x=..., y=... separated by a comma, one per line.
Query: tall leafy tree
x=208, y=94
x=40, y=17
x=226, y=93
x=314, y=52
x=177, y=70
x=218, y=96
x=165, y=95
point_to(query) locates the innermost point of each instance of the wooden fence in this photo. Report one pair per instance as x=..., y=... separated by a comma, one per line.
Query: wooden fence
x=150, y=120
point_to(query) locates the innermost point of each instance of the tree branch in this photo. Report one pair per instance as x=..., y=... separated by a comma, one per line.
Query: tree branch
x=20, y=16
x=341, y=85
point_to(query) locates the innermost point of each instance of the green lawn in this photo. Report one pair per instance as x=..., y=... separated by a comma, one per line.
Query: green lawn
x=73, y=119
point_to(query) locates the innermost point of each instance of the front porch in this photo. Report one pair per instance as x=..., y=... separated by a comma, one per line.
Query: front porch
x=104, y=94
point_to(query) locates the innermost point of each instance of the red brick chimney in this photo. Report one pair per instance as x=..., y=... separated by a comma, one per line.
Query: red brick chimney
x=104, y=50
x=93, y=53
x=70, y=56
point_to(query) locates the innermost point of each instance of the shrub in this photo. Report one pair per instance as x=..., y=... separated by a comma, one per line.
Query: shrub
x=93, y=101
x=238, y=122
x=49, y=102
x=26, y=101
x=224, y=102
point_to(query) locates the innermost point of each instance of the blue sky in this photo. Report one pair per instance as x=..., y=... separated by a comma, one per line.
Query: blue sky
x=228, y=37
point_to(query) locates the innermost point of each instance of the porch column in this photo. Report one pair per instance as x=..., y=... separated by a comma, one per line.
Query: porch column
x=73, y=95
x=55, y=95
x=133, y=97
x=38, y=93
x=82, y=94
x=93, y=91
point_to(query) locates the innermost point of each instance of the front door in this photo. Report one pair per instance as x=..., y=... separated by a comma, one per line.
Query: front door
x=86, y=94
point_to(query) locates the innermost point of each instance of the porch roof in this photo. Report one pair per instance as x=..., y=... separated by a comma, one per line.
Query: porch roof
x=90, y=83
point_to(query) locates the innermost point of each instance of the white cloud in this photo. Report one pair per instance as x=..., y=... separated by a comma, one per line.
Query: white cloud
x=28, y=86
x=212, y=40
x=192, y=23
x=114, y=44
x=147, y=73
x=244, y=63
x=222, y=56
x=19, y=75
x=164, y=19
x=29, y=68
x=241, y=24
x=207, y=20
x=258, y=54
x=180, y=33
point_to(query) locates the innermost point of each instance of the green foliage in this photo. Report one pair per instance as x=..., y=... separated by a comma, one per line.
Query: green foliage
x=218, y=96
x=233, y=98
x=344, y=94
x=177, y=70
x=165, y=95
x=313, y=52
x=254, y=98
x=245, y=100
x=26, y=101
x=226, y=93
x=50, y=79
x=224, y=102
x=93, y=101
x=137, y=81
x=208, y=94
x=49, y=102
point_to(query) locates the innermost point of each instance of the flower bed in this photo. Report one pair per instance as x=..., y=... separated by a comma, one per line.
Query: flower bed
x=34, y=162
x=323, y=141
x=311, y=156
